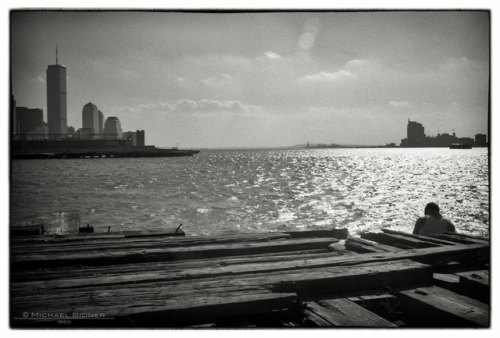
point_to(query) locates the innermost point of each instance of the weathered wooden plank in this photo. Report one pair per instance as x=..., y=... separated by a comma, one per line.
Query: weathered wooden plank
x=308, y=283
x=447, y=281
x=142, y=244
x=344, y=313
x=363, y=246
x=187, y=311
x=105, y=257
x=425, y=255
x=333, y=233
x=435, y=306
x=50, y=246
x=420, y=237
x=42, y=274
x=475, y=284
x=457, y=238
x=468, y=236
x=397, y=240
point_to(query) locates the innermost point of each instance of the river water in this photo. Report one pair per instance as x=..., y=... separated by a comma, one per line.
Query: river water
x=234, y=191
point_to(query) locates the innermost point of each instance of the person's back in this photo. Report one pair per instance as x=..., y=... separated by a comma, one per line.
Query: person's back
x=433, y=222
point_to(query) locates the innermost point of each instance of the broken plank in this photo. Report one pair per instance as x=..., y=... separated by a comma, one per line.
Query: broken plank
x=105, y=257
x=342, y=312
x=397, y=240
x=437, y=307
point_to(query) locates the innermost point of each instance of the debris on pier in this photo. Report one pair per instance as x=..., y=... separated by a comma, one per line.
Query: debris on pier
x=294, y=279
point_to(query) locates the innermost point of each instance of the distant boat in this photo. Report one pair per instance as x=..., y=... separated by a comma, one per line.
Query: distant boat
x=460, y=146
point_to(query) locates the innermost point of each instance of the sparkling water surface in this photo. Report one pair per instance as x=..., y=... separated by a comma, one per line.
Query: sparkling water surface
x=235, y=191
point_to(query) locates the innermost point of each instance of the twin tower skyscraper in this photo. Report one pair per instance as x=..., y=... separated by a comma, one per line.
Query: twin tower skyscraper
x=56, y=98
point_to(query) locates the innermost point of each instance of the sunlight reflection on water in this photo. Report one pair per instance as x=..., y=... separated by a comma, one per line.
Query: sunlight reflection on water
x=260, y=190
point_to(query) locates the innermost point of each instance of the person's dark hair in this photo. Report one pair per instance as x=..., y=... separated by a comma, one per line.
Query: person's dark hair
x=431, y=209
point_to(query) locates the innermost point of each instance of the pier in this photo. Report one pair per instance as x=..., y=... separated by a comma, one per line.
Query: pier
x=261, y=280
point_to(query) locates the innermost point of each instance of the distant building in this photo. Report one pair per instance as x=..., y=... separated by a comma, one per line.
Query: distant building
x=480, y=140
x=416, y=138
x=415, y=134
x=141, y=138
x=84, y=133
x=90, y=118
x=137, y=137
x=56, y=98
x=28, y=119
x=112, y=128
x=39, y=133
x=101, y=122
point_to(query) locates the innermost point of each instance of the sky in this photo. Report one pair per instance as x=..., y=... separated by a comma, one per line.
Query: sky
x=262, y=79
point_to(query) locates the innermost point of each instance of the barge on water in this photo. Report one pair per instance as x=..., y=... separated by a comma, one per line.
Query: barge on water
x=460, y=146
x=283, y=279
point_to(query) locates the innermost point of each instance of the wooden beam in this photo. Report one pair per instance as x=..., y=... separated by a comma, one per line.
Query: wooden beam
x=475, y=284
x=437, y=307
x=335, y=233
x=42, y=274
x=344, y=313
x=363, y=246
x=307, y=283
x=457, y=238
x=101, y=242
x=162, y=242
x=420, y=237
x=177, y=312
x=105, y=257
x=397, y=240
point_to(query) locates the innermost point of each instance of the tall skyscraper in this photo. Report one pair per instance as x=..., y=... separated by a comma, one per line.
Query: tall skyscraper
x=90, y=118
x=56, y=98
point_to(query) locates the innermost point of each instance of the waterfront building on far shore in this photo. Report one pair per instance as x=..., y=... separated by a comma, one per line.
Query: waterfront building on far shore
x=137, y=137
x=28, y=119
x=416, y=138
x=112, y=128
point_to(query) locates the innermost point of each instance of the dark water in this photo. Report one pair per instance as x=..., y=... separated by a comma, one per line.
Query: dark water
x=260, y=190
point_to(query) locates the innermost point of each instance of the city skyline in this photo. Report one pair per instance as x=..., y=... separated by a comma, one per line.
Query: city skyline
x=352, y=77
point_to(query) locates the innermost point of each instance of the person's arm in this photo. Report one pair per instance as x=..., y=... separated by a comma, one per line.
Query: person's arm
x=419, y=224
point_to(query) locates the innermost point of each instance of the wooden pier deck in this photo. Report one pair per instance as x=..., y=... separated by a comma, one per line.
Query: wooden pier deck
x=294, y=279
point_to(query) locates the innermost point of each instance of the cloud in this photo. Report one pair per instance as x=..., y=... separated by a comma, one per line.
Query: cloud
x=39, y=79
x=399, y=104
x=272, y=55
x=216, y=80
x=328, y=77
x=197, y=106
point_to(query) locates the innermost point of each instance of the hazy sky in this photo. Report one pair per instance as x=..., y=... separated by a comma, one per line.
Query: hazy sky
x=262, y=79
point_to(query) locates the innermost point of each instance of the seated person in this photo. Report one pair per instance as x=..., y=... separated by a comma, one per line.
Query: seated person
x=432, y=222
